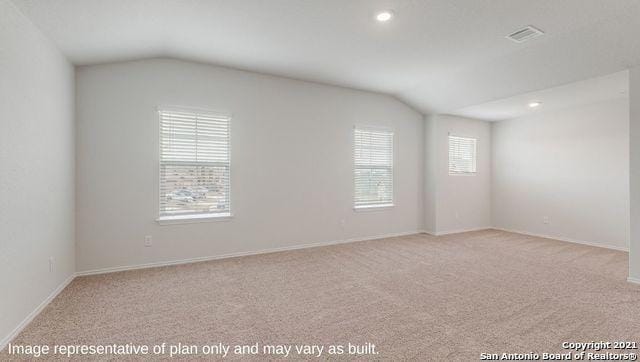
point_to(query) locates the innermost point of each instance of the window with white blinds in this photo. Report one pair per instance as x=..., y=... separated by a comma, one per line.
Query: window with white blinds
x=462, y=155
x=194, y=165
x=373, y=167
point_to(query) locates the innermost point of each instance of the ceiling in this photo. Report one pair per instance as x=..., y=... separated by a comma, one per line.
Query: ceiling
x=571, y=95
x=436, y=55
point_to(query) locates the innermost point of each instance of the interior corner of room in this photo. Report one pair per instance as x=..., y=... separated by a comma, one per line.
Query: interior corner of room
x=303, y=159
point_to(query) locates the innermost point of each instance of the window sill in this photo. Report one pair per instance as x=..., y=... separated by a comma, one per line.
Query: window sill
x=380, y=207
x=191, y=219
x=462, y=173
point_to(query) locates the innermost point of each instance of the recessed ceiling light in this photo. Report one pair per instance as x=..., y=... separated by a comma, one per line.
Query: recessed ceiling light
x=534, y=104
x=384, y=16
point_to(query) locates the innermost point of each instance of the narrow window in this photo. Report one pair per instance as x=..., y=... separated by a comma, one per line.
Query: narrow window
x=462, y=155
x=373, y=167
x=194, y=165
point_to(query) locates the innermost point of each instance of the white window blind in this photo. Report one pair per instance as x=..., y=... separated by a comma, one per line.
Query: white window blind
x=462, y=155
x=373, y=167
x=194, y=165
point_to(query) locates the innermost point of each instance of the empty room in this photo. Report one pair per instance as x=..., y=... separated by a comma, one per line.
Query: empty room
x=424, y=180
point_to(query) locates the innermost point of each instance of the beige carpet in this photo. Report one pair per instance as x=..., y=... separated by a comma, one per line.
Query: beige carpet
x=416, y=297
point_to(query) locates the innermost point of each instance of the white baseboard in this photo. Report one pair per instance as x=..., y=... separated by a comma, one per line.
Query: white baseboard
x=606, y=246
x=237, y=254
x=441, y=233
x=5, y=341
x=633, y=280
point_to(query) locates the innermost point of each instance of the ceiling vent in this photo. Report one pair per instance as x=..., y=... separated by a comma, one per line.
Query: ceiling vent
x=524, y=34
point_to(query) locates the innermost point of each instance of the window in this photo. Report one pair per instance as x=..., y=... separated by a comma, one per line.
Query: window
x=462, y=155
x=373, y=167
x=194, y=165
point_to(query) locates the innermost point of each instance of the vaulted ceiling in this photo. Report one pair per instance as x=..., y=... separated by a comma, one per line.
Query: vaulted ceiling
x=436, y=55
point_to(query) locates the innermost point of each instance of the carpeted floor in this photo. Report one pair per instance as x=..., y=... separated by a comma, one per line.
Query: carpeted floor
x=416, y=297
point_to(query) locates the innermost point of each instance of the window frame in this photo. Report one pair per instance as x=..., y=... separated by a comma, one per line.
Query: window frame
x=474, y=159
x=381, y=206
x=200, y=217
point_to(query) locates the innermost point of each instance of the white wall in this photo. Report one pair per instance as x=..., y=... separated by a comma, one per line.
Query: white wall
x=634, y=166
x=455, y=202
x=37, y=165
x=430, y=172
x=291, y=162
x=570, y=166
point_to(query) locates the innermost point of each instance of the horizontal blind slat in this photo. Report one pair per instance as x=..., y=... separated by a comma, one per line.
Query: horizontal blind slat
x=462, y=155
x=373, y=167
x=194, y=164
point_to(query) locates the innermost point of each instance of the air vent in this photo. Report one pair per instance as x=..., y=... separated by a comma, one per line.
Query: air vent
x=525, y=34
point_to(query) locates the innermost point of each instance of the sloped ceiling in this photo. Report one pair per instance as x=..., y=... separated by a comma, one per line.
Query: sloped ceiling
x=436, y=55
